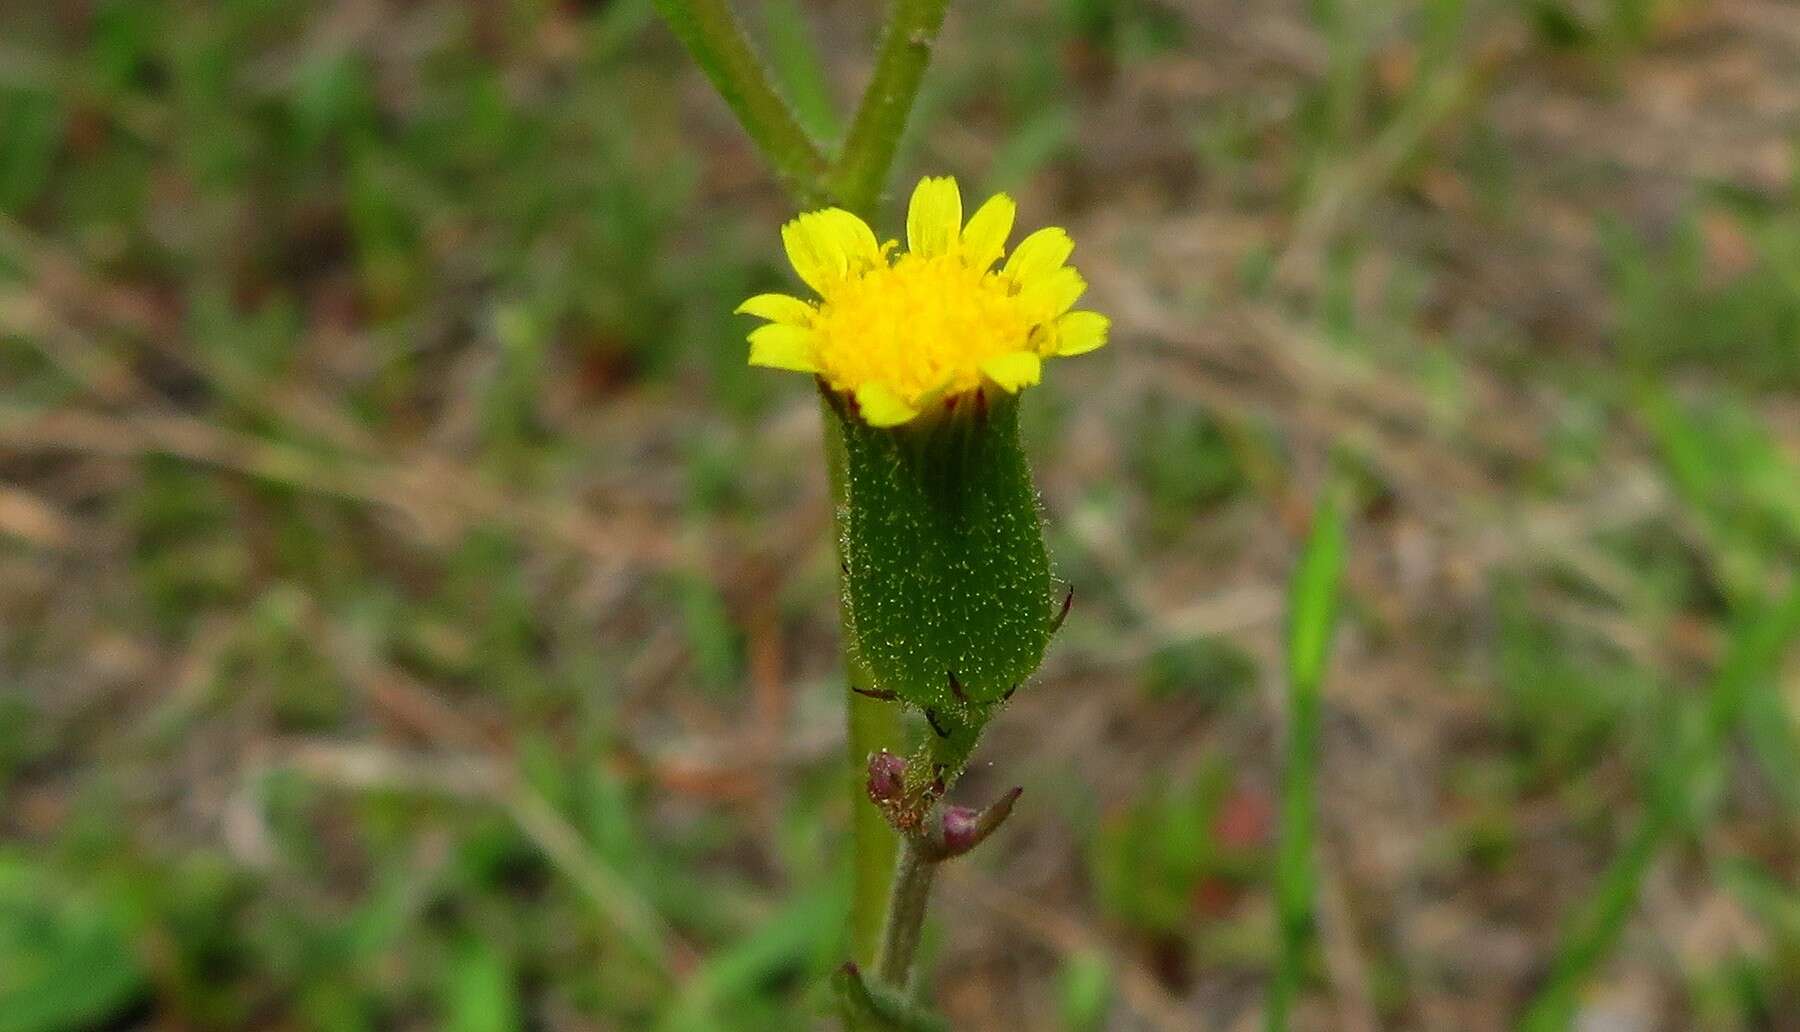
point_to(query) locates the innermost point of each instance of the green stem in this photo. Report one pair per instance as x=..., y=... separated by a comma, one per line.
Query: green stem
x=905, y=917
x=855, y=182
x=873, y=725
x=712, y=34
x=862, y=167
x=719, y=45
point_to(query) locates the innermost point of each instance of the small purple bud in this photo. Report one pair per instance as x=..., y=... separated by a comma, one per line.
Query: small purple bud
x=960, y=826
x=887, y=777
x=964, y=829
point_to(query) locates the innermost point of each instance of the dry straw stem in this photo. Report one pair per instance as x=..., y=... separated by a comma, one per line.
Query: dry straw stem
x=437, y=498
x=436, y=495
x=371, y=768
x=465, y=763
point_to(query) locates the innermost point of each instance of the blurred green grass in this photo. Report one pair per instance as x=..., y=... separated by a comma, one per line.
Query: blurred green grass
x=415, y=615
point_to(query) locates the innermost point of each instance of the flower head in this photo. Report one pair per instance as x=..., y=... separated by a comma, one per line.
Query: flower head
x=900, y=330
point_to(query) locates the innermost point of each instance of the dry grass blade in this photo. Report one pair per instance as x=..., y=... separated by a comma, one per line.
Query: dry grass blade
x=366, y=767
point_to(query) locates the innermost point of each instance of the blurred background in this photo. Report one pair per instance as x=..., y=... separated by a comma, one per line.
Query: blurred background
x=415, y=615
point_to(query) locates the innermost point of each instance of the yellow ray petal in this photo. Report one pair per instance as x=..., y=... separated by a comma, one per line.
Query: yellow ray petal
x=1038, y=255
x=855, y=238
x=781, y=346
x=984, y=238
x=1080, y=332
x=1051, y=295
x=780, y=308
x=816, y=247
x=880, y=406
x=1014, y=371
x=934, y=218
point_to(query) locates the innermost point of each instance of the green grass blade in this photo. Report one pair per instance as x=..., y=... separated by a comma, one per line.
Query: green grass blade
x=1313, y=607
x=479, y=994
x=1758, y=644
x=66, y=959
x=1715, y=472
x=789, y=940
x=1313, y=599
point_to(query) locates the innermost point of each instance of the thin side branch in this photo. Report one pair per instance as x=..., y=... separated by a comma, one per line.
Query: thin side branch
x=713, y=35
x=905, y=918
x=956, y=831
x=862, y=167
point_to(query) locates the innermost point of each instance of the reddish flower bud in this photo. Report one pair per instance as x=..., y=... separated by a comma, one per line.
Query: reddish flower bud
x=887, y=777
x=960, y=824
x=963, y=828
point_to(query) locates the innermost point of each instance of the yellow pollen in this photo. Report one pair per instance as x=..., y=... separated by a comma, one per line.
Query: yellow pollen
x=918, y=326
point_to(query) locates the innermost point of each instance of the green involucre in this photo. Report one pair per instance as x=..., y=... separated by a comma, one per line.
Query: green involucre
x=945, y=569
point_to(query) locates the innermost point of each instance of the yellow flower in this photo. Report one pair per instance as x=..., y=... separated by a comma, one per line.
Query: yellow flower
x=899, y=331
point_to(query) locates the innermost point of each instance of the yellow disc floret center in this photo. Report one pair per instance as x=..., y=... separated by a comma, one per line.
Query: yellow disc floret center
x=920, y=326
